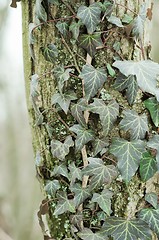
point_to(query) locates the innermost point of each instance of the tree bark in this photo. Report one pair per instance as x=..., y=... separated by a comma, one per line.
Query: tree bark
x=128, y=199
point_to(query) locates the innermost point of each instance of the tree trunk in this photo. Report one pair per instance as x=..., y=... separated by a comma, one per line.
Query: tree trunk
x=67, y=158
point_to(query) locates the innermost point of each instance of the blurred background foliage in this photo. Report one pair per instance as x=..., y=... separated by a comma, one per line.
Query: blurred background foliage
x=20, y=193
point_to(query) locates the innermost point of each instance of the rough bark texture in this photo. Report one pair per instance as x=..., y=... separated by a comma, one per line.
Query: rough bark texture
x=127, y=199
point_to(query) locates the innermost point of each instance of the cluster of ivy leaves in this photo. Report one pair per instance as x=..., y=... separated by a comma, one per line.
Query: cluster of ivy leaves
x=108, y=158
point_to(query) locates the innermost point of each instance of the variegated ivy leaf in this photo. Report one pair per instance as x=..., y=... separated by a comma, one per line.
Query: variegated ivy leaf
x=154, y=143
x=60, y=150
x=62, y=27
x=138, y=25
x=101, y=174
x=40, y=13
x=51, y=187
x=87, y=234
x=77, y=111
x=81, y=194
x=104, y=200
x=136, y=124
x=115, y=20
x=146, y=72
x=90, y=16
x=60, y=170
x=124, y=229
x=151, y=217
x=50, y=52
x=107, y=113
x=64, y=204
x=152, y=198
x=83, y=136
x=98, y=145
x=75, y=173
x=148, y=166
x=75, y=28
x=130, y=84
x=93, y=80
x=128, y=155
x=153, y=106
x=90, y=42
x=64, y=100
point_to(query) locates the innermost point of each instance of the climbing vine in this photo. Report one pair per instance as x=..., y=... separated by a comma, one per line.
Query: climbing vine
x=103, y=121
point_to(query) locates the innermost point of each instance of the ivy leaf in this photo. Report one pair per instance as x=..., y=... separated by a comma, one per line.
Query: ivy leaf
x=130, y=84
x=152, y=198
x=60, y=170
x=107, y=113
x=138, y=25
x=50, y=52
x=81, y=194
x=153, y=106
x=115, y=20
x=55, y=2
x=98, y=145
x=87, y=234
x=104, y=200
x=51, y=187
x=100, y=173
x=150, y=216
x=90, y=42
x=40, y=12
x=154, y=143
x=64, y=204
x=148, y=166
x=110, y=70
x=83, y=136
x=77, y=111
x=107, y=8
x=75, y=173
x=90, y=16
x=60, y=150
x=64, y=100
x=125, y=229
x=145, y=71
x=62, y=27
x=93, y=80
x=136, y=124
x=128, y=155
x=75, y=29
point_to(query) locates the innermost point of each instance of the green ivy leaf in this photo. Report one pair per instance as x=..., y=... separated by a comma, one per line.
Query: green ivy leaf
x=128, y=155
x=101, y=174
x=50, y=52
x=60, y=170
x=139, y=21
x=83, y=136
x=152, y=198
x=151, y=217
x=77, y=111
x=75, y=173
x=81, y=194
x=90, y=42
x=107, y=113
x=125, y=229
x=87, y=234
x=127, y=18
x=60, y=150
x=136, y=124
x=64, y=100
x=104, y=200
x=107, y=8
x=38, y=160
x=130, y=84
x=90, y=16
x=153, y=106
x=154, y=143
x=115, y=20
x=75, y=29
x=64, y=204
x=98, y=145
x=62, y=27
x=145, y=71
x=51, y=187
x=40, y=12
x=148, y=166
x=55, y=2
x=110, y=70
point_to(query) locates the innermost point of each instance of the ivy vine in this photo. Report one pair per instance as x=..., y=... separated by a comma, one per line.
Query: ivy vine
x=90, y=96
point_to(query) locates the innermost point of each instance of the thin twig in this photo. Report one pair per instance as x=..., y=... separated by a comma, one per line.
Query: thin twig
x=69, y=7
